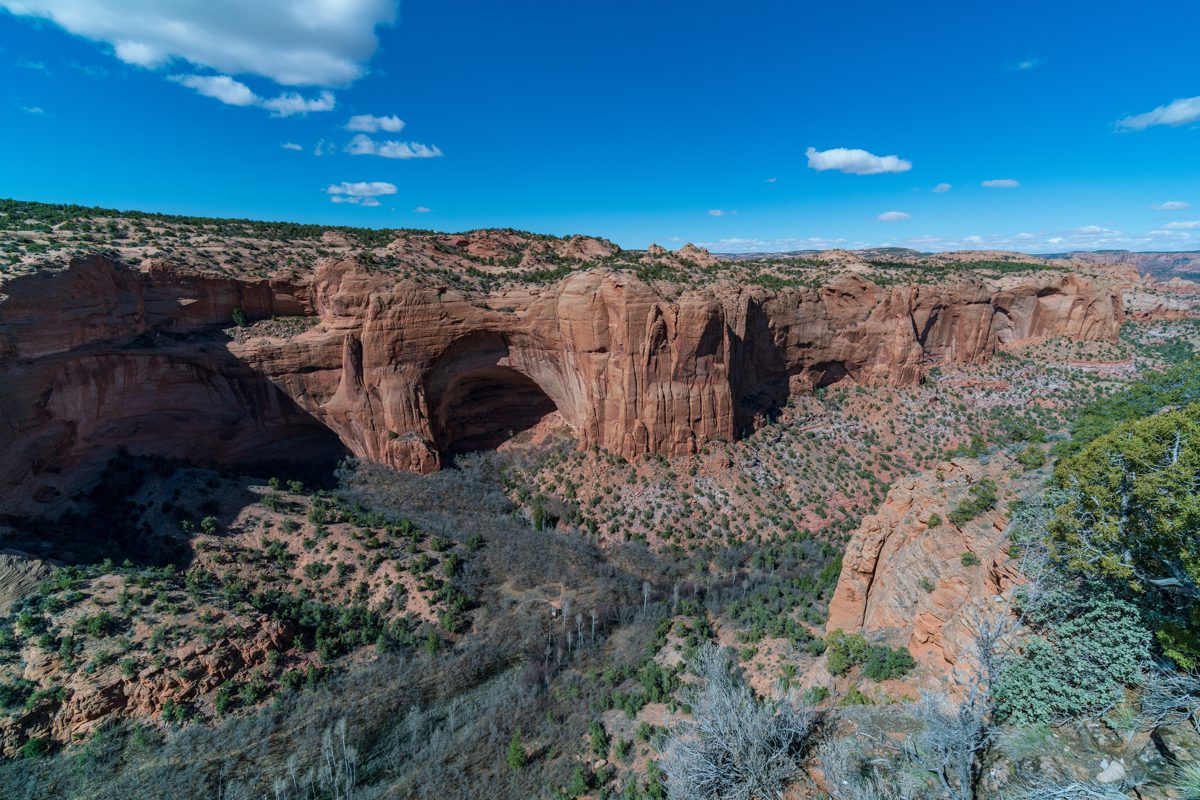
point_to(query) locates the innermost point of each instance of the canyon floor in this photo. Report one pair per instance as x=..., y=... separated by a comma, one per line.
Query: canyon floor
x=407, y=614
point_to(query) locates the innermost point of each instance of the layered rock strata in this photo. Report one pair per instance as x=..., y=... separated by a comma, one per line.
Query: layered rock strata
x=401, y=372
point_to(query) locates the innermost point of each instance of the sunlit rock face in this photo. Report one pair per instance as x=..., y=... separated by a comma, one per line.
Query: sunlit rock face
x=394, y=370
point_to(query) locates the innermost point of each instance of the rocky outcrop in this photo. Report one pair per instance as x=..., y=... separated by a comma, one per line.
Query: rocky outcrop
x=920, y=585
x=20, y=576
x=406, y=372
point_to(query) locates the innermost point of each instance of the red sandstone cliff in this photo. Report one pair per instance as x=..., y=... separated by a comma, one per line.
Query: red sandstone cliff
x=906, y=582
x=404, y=373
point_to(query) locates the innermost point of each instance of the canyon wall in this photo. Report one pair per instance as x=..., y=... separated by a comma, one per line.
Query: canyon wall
x=401, y=372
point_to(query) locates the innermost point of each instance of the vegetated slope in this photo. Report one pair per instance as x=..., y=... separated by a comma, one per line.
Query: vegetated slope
x=534, y=623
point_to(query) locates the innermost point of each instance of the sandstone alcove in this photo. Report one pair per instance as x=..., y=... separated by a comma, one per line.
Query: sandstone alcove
x=483, y=409
x=478, y=400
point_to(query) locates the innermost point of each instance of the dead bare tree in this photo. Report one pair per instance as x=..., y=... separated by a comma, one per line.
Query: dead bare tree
x=736, y=747
x=1051, y=788
x=1169, y=697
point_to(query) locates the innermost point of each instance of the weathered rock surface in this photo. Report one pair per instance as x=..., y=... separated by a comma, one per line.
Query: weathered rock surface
x=20, y=575
x=406, y=373
x=906, y=582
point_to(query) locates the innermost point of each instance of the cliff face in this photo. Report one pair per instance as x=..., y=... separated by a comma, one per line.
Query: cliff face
x=404, y=373
x=906, y=582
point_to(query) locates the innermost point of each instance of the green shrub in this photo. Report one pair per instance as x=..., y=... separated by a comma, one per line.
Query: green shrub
x=969, y=559
x=935, y=520
x=1078, y=666
x=855, y=697
x=981, y=497
x=516, y=755
x=1031, y=457
x=580, y=782
x=880, y=662
x=815, y=695
x=35, y=748
x=599, y=737
x=883, y=663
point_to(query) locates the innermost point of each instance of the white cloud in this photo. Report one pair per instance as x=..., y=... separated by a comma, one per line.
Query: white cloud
x=1000, y=183
x=772, y=180
x=312, y=43
x=422, y=210
x=289, y=103
x=363, y=145
x=1024, y=236
x=220, y=87
x=1171, y=205
x=942, y=187
x=235, y=93
x=291, y=146
x=1183, y=225
x=361, y=193
x=854, y=162
x=37, y=111
x=370, y=124
x=893, y=216
x=717, y=212
x=1177, y=112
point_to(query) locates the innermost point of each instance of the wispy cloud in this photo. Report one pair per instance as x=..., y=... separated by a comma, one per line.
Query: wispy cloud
x=361, y=193
x=1171, y=205
x=367, y=123
x=772, y=180
x=219, y=87
x=235, y=93
x=363, y=145
x=291, y=146
x=893, y=216
x=1183, y=225
x=37, y=111
x=422, y=210
x=717, y=212
x=854, y=162
x=290, y=103
x=735, y=244
x=942, y=187
x=1025, y=64
x=1000, y=183
x=1177, y=112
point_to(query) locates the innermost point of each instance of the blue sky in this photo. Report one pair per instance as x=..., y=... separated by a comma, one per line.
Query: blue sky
x=741, y=126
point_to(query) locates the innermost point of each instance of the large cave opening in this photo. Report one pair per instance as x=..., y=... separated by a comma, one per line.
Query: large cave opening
x=484, y=409
x=478, y=400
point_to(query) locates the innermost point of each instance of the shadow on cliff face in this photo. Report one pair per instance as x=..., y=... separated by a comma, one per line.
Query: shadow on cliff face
x=182, y=398
x=760, y=374
x=104, y=440
x=477, y=400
